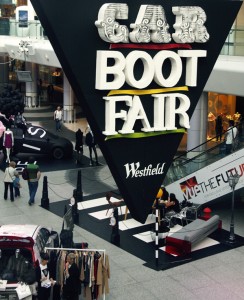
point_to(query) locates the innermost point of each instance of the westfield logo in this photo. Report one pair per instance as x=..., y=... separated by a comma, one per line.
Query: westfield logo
x=133, y=170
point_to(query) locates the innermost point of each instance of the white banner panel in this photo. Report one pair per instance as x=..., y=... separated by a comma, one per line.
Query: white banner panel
x=210, y=182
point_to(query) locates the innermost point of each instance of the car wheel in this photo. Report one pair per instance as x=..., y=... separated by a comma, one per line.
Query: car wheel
x=58, y=153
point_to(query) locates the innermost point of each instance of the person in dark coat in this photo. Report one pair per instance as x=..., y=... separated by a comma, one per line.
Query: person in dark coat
x=72, y=283
x=91, y=143
x=79, y=145
x=50, y=92
x=219, y=127
x=173, y=203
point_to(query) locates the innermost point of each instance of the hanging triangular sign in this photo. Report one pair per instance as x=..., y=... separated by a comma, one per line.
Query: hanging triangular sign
x=138, y=70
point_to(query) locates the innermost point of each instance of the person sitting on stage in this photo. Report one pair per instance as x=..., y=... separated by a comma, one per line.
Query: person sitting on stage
x=173, y=204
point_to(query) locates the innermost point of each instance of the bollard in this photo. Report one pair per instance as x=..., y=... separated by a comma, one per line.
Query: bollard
x=75, y=213
x=115, y=237
x=207, y=213
x=45, y=199
x=79, y=193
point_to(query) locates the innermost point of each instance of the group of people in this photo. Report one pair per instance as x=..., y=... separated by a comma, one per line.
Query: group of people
x=89, y=141
x=12, y=180
x=70, y=289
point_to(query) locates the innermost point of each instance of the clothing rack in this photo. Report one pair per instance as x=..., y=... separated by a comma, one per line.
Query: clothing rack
x=82, y=250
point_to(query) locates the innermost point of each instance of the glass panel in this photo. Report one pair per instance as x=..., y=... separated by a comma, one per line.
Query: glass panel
x=183, y=166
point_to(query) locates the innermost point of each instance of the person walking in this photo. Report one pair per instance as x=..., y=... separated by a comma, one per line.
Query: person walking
x=8, y=179
x=58, y=115
x=34, y=175
x=231, y=134
x=17, y=186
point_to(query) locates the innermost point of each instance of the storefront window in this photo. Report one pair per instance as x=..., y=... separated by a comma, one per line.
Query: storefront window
x=221, y=108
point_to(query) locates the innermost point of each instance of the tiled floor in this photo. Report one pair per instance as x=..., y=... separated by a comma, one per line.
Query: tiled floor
x=217, y=277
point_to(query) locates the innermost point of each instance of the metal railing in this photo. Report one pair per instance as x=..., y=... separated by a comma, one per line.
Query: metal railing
x=69, y=115
x=234, y=44
x=182, y=165
x=33, y=29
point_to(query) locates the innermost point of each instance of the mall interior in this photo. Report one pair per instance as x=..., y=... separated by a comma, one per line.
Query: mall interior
x=27, y=48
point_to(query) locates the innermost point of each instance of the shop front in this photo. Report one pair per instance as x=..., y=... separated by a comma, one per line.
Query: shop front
x=221, y=109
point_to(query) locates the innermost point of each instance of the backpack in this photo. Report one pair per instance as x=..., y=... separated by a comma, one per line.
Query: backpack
x=25, y=174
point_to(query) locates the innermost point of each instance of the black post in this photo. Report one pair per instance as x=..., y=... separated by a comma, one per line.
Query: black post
x=65, y=211
x=232, y=224
x=45, y=199
x=156, y=233
x=75, y=213
x=115, y=237
x=79, y=193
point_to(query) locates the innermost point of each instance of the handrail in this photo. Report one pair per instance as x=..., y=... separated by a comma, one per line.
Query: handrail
x=182, y=165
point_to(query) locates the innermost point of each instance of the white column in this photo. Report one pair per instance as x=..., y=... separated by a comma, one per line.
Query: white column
x=68, y=101
x=197, y=134
x=3, y=68
x=31, y=7
x=31, y=87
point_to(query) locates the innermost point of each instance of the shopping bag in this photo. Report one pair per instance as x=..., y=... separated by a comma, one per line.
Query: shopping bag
x=3, y=284
x=23, y=290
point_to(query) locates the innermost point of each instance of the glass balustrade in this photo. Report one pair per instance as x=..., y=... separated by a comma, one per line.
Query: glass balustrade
x=234, y=44
x=199, y=157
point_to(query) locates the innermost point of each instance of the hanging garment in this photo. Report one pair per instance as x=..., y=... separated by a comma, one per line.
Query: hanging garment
x=8, y=139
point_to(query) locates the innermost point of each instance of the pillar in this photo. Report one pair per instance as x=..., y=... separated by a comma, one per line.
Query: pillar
x=32, y=11
x=31, y=87
x=68, y=101
x=3, y=68
x=197, y=134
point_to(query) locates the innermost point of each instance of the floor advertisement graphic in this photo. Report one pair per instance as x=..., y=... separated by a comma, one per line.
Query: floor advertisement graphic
x=137, y=238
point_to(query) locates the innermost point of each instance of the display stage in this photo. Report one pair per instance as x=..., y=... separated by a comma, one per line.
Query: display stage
x=48, y=164
x=137, y=238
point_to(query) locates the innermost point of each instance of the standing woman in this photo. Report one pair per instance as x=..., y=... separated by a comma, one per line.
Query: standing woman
x=43, y=278
x=9, y=176
x=71, y=286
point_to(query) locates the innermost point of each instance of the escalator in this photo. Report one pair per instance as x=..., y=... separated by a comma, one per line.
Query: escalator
x=201, y=175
